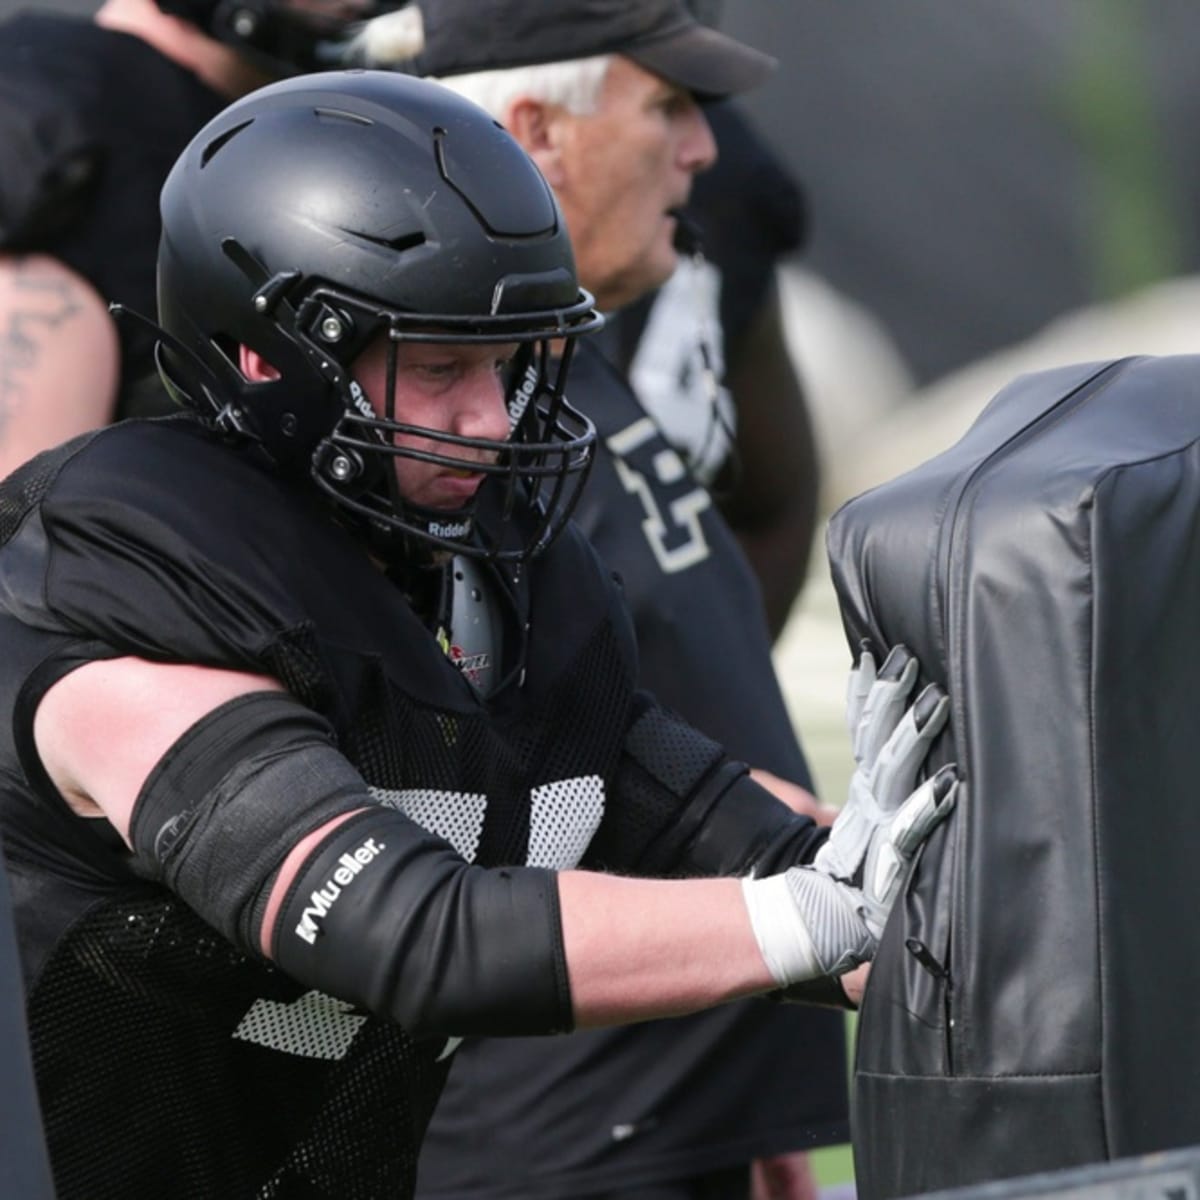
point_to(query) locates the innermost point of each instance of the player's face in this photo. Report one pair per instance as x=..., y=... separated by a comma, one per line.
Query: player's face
x=622, y=169
x=455, y=389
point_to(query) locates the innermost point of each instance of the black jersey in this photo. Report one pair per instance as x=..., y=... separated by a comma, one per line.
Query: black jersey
x=703, y=645
x=133, y=110
x=605, y=1109
x=170, y=1064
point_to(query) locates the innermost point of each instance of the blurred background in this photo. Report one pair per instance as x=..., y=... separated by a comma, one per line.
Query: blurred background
x=992, y=187
x=981, y=177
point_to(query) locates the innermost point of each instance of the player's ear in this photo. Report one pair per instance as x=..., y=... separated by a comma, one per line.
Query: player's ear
x=539, y=127
x=254, y=367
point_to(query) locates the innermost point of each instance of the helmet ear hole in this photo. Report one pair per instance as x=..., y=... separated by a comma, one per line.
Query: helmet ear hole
x=255, y=368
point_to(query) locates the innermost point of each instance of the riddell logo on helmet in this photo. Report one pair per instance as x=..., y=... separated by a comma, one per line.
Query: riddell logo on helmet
x=519, y=401
x=325, y=897
x=360, y=400
x=449, y=529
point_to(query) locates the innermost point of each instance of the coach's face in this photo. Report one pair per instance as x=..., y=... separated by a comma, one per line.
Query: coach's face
x=618, y=173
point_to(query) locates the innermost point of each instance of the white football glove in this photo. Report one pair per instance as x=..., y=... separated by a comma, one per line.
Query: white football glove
x=826, y=918
x=889, y=745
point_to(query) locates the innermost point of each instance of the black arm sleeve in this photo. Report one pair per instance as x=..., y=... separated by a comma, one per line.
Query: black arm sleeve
x=398, y=923
x=682, y=807
x=382, y=913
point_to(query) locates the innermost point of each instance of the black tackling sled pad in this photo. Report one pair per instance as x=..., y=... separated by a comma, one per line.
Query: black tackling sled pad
x=1035, y=1003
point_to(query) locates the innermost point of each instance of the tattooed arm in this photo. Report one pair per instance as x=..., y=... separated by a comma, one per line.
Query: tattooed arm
x=59, y=357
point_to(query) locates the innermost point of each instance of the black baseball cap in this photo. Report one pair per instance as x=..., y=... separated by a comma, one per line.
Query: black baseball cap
x=662, y=36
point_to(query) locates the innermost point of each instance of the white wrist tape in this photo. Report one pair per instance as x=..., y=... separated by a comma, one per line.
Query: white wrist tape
x=783, y=938
x=807, y=924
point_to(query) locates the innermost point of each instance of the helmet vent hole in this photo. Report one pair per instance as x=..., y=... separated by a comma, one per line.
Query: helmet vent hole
x=337, y=114
x=406, y=241
x=218, y=143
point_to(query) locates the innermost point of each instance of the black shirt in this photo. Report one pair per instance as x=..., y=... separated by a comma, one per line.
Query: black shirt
x=24, y=1169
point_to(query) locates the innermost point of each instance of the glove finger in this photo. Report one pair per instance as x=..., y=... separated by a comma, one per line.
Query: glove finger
x=894, y=774
x=858, y=686
x=929, y=805
x=885, y=703
x=850, y=835
x=923, y=811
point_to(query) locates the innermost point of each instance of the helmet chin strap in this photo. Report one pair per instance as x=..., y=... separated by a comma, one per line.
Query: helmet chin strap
x=457, y=524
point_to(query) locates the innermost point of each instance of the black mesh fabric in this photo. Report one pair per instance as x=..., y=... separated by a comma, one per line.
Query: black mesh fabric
x=677, y=755
x=26, y=486
x=404, y=744
x=145, y=1003
x=135, y=1016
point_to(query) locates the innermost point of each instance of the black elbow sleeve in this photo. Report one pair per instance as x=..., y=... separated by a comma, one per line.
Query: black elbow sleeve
x=382, y=913
x=389, y=917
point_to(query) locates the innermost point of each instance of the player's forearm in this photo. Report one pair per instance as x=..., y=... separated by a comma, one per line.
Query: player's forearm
x=639, y=948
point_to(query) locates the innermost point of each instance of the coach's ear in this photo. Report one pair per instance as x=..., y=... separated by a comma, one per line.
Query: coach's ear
x=539, y=128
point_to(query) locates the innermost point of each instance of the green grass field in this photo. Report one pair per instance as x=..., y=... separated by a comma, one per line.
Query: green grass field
x=833, y=1165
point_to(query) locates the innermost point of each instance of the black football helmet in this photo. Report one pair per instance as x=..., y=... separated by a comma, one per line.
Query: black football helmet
x=283, y=36
x=324, y=211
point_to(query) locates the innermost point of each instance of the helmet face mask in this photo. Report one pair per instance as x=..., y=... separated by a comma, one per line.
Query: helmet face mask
x=540, y=467
x=320, y=214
